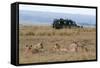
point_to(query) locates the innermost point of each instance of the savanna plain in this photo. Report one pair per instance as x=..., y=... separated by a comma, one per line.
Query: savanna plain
x=30, y=36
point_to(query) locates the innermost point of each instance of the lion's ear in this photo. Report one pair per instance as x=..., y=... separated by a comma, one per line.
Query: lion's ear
x=26, y=45
x=31, y=46
x=41, y=44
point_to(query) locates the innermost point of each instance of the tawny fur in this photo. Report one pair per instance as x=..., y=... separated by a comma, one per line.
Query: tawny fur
x=57, y=47
x=33, y=49
x=76, y=47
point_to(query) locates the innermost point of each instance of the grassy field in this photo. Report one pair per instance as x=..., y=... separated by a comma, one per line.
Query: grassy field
x=32, y=35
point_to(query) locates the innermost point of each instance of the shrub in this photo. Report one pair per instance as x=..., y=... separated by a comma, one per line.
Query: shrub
x=30, y=34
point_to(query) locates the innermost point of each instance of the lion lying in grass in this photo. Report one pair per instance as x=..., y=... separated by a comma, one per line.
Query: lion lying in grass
x=39, y=48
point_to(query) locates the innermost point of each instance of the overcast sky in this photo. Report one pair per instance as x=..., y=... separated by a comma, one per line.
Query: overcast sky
x=86, y=11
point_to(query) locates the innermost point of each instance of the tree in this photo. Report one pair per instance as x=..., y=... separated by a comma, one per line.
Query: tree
x=64, y=23
x=61, y=22
x=56, y=24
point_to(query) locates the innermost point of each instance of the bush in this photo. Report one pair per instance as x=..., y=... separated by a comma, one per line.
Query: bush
x=64, y=23
x=30, y=34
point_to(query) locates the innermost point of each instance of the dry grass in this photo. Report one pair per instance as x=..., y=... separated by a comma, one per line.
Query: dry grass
x=31, y=35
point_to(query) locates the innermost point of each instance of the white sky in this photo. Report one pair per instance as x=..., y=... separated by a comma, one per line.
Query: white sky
x=86, y=11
